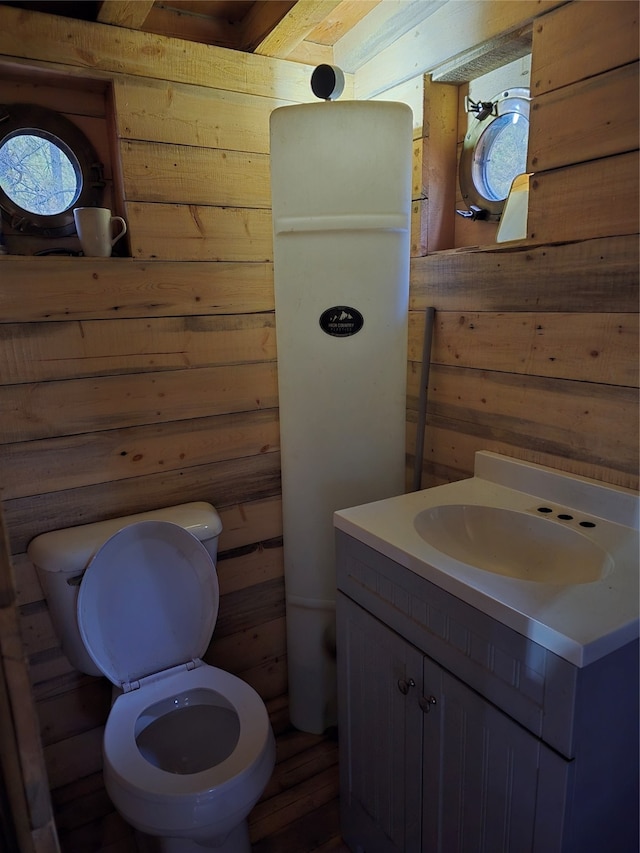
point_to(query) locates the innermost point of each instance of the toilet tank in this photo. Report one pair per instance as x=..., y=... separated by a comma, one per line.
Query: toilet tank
x=61, y=557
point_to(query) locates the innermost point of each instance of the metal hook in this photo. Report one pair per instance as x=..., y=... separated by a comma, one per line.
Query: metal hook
x=482, y=109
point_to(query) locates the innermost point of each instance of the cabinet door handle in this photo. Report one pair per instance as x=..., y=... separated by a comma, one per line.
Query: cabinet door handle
x=426, y=702
x=403, y=686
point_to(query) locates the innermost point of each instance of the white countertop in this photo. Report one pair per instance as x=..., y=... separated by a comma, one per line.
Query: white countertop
x=579, y=622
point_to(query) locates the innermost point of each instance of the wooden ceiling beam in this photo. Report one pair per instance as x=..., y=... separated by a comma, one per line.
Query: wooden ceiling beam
x=125, y=13
x=175, y=23
x=296, y=25
x=261, y=18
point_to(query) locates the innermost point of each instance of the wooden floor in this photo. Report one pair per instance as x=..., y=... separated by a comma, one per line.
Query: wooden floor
x=298, y=812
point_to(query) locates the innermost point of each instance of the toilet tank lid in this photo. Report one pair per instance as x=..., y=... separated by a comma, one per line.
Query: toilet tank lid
x=70, y=549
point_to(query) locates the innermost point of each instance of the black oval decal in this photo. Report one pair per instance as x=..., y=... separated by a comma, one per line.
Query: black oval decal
x=341, y=321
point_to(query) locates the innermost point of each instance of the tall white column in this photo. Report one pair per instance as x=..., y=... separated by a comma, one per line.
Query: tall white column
x=341, y=185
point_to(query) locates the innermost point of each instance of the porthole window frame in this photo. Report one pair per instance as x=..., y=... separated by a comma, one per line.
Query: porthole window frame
x=514, y=101
x=58, y=129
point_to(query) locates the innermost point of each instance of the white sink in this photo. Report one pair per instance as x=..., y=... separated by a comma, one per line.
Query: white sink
x=515, y=544
x=550, y=554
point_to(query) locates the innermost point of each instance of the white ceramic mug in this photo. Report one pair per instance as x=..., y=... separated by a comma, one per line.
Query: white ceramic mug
x=94, y=227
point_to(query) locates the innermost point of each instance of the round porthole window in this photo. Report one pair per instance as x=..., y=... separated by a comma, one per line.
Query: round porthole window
x=494, y=153
x=47, y=167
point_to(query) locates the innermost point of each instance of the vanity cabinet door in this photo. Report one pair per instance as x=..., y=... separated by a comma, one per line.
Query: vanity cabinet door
x=380, y=725
x=482, y=773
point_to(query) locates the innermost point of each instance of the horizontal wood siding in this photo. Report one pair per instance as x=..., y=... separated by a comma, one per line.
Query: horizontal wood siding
x=587, y=347
x=129, y=384
x=603, y=35
x=117, y=50
x=575, y=121
x=54, y=289
x=203, y=176
x=557, y=385
x=164, y=111
x=199, y=233
x=583, y=147
x=599, y=198
x=525, y=416
x=118, y=454
x=86, y=405
x=161, y=343
x=583, y=276
x=535, y=349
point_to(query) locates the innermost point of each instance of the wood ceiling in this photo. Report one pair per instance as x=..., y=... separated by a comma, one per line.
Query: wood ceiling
x=341, y=32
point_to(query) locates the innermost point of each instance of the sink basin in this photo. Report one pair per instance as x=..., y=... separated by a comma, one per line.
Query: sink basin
x=550, y=554
x=515, y=544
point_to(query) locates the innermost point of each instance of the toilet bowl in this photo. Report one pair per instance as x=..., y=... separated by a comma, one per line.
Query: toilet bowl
x=188, y=748
x=188, y=756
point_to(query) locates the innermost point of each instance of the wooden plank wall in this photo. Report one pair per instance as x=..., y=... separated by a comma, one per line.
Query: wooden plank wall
x=129, y=384
x=26, y=818
x=535, y=350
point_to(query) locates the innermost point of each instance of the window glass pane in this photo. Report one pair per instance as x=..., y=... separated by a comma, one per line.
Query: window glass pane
x=500, y=155
x=506, y=156
x=37, y=174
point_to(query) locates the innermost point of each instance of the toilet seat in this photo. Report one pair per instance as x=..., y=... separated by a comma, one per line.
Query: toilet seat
x=136, y=773
x=148, y=601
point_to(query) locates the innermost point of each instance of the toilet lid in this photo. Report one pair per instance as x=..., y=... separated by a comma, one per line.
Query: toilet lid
x=148, y=601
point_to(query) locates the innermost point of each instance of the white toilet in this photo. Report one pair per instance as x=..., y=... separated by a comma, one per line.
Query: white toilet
x=188, y=748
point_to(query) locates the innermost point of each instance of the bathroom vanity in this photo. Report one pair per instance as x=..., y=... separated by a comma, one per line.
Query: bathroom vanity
x=480, y=710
